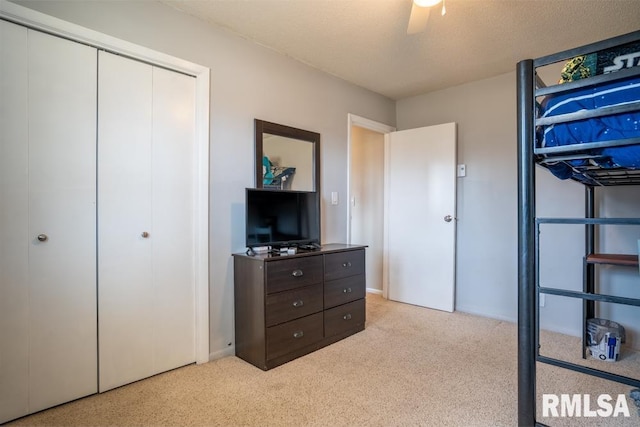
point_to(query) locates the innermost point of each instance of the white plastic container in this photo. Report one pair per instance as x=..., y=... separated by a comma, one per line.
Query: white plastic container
x=604, y=338
x=608, y=349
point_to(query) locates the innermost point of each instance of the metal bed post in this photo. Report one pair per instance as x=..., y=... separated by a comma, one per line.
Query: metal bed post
x=526, y=248
x=588, y=307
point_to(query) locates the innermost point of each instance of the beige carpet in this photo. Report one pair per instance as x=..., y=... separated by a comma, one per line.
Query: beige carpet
x=410, y=367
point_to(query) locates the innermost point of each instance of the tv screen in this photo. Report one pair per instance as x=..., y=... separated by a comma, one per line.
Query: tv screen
x=282, y=218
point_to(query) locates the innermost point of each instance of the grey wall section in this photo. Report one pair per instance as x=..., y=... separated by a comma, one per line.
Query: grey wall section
x=619, y=202
x=486, y=247
x=247, y=82
x=486, y=270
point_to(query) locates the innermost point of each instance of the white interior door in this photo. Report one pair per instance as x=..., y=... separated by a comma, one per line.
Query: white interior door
x=48, y=290
x=146, y=238
x=420, y=192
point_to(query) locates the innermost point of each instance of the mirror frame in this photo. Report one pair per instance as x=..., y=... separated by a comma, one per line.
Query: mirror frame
x=262, y=127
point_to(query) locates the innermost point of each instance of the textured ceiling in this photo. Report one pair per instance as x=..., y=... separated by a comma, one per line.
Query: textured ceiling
x=365, y=41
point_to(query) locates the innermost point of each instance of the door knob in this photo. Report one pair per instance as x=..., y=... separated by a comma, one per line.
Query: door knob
x=43, y=237
x=145, y=234
x=448, y=218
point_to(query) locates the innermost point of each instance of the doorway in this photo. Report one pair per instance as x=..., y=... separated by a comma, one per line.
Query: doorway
x=365, y=209
x=401, y=195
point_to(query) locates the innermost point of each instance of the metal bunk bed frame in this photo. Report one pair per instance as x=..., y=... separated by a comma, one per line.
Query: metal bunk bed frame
x=529, y=87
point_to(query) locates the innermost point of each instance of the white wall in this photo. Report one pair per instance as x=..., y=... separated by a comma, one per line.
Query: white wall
x=247, y=82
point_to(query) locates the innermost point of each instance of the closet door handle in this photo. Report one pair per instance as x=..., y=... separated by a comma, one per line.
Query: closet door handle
x=43, y=237
x=297, y=273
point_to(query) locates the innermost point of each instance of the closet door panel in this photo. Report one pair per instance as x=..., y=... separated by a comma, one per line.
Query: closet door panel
x=14, y=224
x=62, y=211
x=146, y=249
x=126, y=293
x=173, y=201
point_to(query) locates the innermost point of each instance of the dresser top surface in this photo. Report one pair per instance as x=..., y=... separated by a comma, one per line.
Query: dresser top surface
x=324, y=249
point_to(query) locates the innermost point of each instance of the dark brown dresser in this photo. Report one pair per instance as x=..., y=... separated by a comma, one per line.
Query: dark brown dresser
x=289, y=305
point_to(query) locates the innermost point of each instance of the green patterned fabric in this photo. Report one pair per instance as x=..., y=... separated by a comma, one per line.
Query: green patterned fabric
x=578, y=68
x=605, y=61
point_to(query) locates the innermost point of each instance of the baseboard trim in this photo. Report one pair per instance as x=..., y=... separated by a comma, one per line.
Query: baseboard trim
x=231, y=351
x=374, y=291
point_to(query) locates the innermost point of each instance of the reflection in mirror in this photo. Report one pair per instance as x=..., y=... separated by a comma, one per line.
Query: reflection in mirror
x=286, y=158
x=288, y=163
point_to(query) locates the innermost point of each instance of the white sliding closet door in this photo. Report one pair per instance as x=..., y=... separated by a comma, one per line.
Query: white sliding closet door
x=47, y=221
x=146, y=275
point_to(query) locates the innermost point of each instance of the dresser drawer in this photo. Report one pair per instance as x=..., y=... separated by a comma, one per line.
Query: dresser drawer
x=292, y=273
x=343, y=264
x=289, y=305
x=291, y=336
x=341, y=291
x=344, y=317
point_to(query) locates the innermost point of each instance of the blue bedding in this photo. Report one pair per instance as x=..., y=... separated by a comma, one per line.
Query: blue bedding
x=606, y=128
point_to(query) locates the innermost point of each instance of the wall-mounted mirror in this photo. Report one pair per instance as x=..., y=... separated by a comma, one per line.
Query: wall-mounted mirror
x=287, y=158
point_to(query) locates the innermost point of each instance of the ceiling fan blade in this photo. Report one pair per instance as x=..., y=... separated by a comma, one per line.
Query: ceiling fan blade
x=418, y=19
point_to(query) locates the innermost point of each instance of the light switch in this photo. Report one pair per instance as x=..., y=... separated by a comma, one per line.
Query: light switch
x=334, y=197
x=462, y=170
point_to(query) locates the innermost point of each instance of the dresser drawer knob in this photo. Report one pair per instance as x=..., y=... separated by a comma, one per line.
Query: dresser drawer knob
x=297, y=273
x=298, y=334
x=298, y=303
x=347, y=316
x=346, y=290
x=346, y=264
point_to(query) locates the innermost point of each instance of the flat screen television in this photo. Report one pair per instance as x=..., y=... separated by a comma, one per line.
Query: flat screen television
x=280, y=218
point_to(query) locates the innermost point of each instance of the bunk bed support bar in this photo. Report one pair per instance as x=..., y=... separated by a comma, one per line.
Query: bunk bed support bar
x=588, y=274
x=591, y=297
x=590, y=371
x=526, y=249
